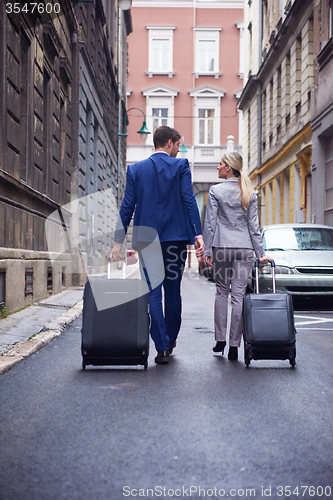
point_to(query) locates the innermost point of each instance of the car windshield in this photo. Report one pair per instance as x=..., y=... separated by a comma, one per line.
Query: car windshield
x=292, y=238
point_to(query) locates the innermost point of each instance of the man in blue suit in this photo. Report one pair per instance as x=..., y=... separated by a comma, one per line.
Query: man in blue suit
x=160, y=191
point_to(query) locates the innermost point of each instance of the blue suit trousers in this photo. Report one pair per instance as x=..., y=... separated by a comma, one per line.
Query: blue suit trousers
x=166, y=321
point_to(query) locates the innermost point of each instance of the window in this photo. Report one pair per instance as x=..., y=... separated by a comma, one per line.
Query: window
x=207, y=112
x=50, y=279
x=24, y=109
x=207, y=52
x=160, y=54
x=206, y=126
x=287, y=83
x=47, y=149
x=2, y=286
x=271, y=106
x=160, y=117
x=240, y=26
x=160, y=51
x=278, y=90
x=298, y=69
x=29, y=281
x=159, y=108
x=264, y=113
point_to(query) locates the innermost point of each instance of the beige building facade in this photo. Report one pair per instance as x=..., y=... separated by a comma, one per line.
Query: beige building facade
x=322, y=114
x=277, y=107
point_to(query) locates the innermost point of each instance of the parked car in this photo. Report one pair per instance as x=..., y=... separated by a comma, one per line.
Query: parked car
x=303, y=254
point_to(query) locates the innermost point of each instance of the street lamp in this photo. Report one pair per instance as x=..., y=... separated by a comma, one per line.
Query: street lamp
x=183, y=150
x=125, y=4
x=143, y=130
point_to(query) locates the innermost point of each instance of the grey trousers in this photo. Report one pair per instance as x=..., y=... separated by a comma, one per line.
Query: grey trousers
x=231, y=266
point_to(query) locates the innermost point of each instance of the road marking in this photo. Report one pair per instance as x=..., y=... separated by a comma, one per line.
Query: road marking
x=313, y=320
x=318, y=321
x=312, y=317
x=315, y=329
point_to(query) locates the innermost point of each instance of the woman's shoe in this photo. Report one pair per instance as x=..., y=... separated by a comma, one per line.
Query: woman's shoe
x=233, y=353
x=219, y=347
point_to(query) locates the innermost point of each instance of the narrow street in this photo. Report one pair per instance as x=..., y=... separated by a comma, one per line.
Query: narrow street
x=201, y=427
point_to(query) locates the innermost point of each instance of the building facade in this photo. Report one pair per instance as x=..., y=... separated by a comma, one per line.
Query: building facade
x=277, y=106
x=36, y=150
x=322, y=114
x=60, y=105
x=186, y=71
x=99, y=160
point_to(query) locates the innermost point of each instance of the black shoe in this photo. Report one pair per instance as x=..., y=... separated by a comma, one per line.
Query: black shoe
x=172, y=346
x=219, y=347
x=233, y=353
x=162, y=357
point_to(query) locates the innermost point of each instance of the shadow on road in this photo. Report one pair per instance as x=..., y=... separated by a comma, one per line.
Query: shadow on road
x=310, y=303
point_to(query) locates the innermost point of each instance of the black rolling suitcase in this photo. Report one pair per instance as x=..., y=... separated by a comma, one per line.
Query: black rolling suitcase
x=115, y=322
x=269, y=330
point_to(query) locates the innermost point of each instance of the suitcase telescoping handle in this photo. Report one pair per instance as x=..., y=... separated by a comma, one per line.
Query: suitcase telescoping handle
x=109, y=268
x=272, y=263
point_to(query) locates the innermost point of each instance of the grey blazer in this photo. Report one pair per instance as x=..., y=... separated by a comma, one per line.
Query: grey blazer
x=227, y=224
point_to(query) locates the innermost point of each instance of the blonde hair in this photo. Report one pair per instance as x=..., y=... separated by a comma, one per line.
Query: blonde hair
x=235, y=161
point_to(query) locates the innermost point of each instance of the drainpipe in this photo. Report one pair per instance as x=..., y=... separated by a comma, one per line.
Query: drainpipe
x=120, y=82
x=194, y=21
x=259, y=111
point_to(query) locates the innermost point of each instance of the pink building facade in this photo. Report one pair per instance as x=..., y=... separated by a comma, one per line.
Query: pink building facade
x=186, y=71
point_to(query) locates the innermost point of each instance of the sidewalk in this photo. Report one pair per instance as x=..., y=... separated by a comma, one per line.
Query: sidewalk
x=26, y=331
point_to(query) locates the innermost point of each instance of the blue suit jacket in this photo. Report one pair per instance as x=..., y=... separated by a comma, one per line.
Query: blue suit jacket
x=159, y=188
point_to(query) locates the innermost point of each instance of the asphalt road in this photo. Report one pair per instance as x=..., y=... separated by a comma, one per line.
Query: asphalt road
x=200, y=422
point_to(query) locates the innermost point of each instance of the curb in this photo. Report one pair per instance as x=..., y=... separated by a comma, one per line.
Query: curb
x=27, y=347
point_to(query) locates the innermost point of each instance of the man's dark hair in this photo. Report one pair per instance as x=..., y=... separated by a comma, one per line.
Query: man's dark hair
x=163, y=134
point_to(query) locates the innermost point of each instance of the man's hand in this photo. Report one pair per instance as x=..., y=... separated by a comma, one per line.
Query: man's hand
x=199, y=247
x=116, y=252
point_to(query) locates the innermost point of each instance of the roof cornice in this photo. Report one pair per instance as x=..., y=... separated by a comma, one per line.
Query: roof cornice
x=277, y=48
x=248, y=91
x=287, y=29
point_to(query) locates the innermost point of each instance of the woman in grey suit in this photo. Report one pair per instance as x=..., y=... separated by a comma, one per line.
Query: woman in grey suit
x=231, y=238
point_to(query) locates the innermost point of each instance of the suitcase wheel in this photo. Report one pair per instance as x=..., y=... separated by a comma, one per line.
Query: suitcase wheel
x=146, y=366
x=247, y=355
x=247, y=358
x=292, y=358
x=83, y=365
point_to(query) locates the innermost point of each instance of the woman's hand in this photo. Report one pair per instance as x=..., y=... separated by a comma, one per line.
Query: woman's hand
x=264, y=259
x=208, y=260
x=116, y=252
